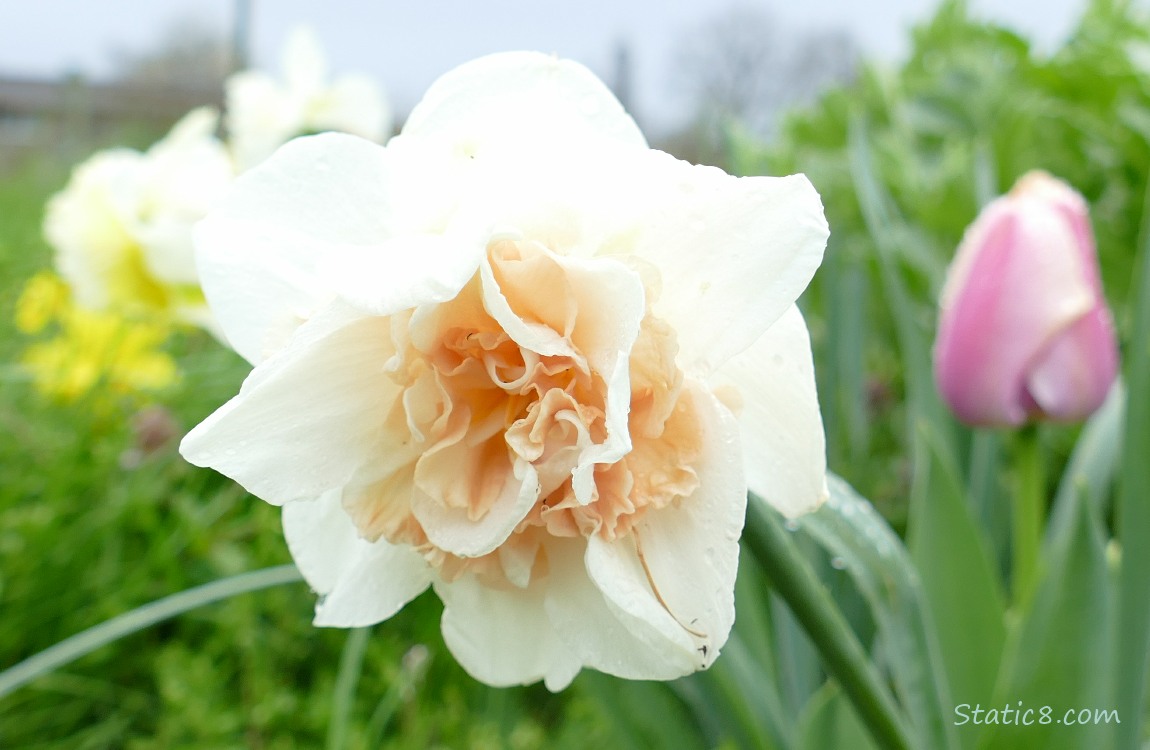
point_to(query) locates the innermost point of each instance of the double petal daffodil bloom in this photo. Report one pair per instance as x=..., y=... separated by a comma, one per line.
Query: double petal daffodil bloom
x=519, y=357
x=264, y=112
x=122, y=227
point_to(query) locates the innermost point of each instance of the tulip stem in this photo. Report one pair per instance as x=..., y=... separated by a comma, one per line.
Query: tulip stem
x=1029, y=509
x=842, y=654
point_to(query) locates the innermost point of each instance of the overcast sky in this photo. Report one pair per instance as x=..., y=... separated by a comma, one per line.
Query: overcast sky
x=406, y=45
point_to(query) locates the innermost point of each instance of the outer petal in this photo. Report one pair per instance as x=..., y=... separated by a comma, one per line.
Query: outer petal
x=308, y=223
x=607, y=613
x=504, y=636
x=691, y=548
x=331, y=372
x=1071, y=378
x=733, y=253
x=772, y=386
x=1017, y=281
x=259, y=251
x=500, y=100
x=362, y=582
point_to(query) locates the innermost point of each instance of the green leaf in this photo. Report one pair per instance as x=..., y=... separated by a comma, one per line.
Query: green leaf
x=949, y=550
x=121, y=626
x=1093, y=463
x=843, y=656
x=865, y=546
x=829, y=721
x=1134, y=508
x=962, y=588
x=645, y=714
x=1059, y=655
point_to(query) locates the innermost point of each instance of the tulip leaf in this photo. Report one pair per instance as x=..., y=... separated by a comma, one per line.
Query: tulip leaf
x=962, y=588
x=1092, y=466
x=1059, y=655
x=865, y=546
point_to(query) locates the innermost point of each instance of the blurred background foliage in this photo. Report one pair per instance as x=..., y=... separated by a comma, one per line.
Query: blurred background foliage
x=98, y=516
x=972, y=109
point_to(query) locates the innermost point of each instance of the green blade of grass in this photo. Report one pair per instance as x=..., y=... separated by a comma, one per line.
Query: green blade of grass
x=346, y=681
x=87, y=641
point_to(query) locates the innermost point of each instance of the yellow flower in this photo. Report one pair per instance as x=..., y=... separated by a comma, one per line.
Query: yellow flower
x=90, y=350
x=43, y=300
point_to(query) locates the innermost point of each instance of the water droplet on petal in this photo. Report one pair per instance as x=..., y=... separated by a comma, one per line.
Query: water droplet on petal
x=838, y=563
x=791, y=524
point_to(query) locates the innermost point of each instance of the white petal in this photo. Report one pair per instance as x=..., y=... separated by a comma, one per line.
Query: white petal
x=733, y=253
x=692, y=548
x=500, y=100
x=452, y=530
x=362, y=582
x=503, y=636
x=319, y=202
x=322, y=539
x=605, y=612
x=781, y=426
x=381, y=579
x=307, y=418
x=405, y=272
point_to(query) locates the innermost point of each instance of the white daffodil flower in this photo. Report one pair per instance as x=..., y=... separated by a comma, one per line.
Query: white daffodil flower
x=122, y=227
x=518, y=356
x=264, y=113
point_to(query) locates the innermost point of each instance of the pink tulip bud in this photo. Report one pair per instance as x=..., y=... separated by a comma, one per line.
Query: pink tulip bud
x=1024, y=332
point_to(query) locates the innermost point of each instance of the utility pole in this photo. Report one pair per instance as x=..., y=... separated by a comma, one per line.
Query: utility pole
x=241, y=35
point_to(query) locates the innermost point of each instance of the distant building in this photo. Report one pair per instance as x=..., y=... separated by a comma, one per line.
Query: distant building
x=75, y=115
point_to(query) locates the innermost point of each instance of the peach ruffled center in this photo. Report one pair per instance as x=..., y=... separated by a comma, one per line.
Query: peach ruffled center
x=489, y=427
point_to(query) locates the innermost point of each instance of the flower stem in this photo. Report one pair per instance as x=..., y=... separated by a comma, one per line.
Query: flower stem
x=87, y=641
x=1029, y=509
x=808, y=599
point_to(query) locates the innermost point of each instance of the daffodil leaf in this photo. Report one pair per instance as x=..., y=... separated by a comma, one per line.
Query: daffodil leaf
x=864, y=546
x=1092, y=465
x=963, y=590
x=645, y=714
x=829, y=721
